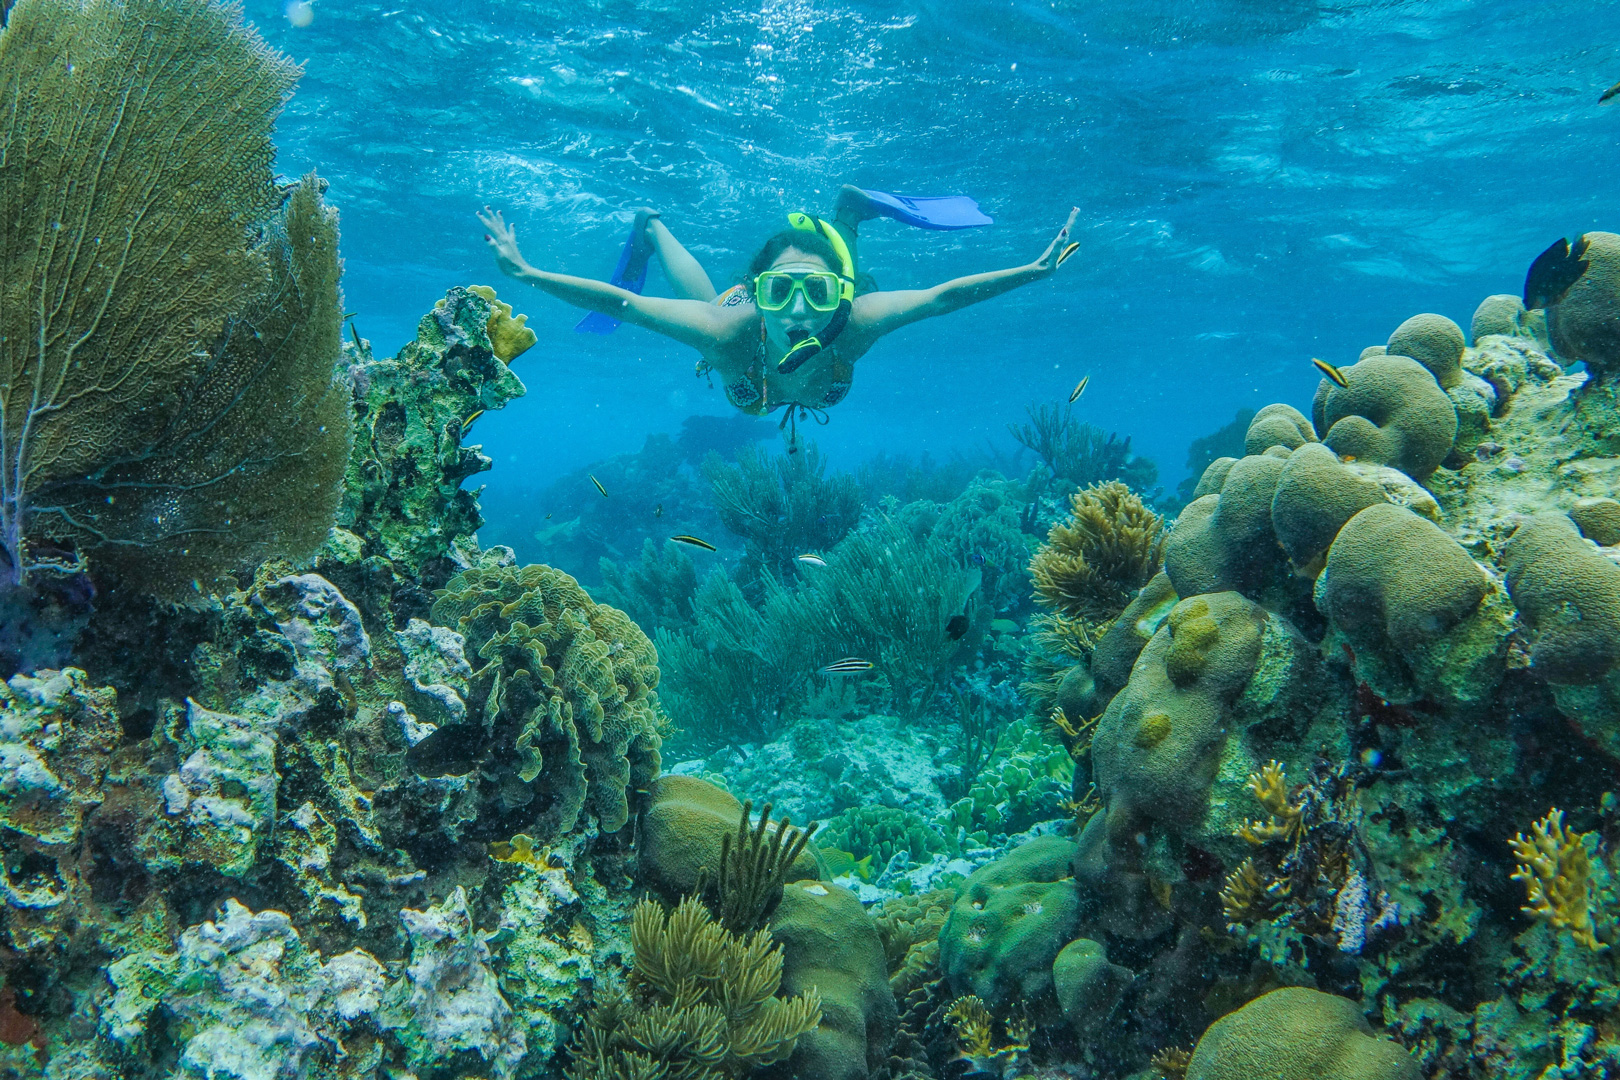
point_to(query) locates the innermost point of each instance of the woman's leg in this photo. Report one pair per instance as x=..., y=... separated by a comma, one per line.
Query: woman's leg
x=684, y=272
x=853, y=208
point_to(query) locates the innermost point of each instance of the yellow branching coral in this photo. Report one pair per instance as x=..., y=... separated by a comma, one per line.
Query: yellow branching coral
x=1247, y=897
x=972, y=1020
x=1108, y=548
x=1270, y=788
x=1556, y=869
x=1171, y=1063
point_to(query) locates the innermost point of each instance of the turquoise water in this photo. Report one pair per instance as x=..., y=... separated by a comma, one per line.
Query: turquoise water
x=1258, y=184
x=1199, y=662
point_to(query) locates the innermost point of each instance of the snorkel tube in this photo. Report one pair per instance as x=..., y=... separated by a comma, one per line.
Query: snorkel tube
x=803, y=345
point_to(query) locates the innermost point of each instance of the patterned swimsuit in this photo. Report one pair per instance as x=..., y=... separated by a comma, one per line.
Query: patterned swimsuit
x=752, y=393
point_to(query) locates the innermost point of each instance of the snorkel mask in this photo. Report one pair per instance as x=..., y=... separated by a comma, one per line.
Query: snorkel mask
x=822, y=291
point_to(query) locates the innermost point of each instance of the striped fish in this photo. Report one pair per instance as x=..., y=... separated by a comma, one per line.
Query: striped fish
x=694, y=541
x=599, y=486
x=812, y=560
x=1332, y=373
x=849, y=665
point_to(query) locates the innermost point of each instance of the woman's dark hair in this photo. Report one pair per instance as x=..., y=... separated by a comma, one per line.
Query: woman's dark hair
x=808, y=242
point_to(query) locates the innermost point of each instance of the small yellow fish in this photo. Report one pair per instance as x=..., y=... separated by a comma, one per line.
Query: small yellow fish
x=694, y=542
x=1332, y=373
x=466, y=425
x=812, y=560
x=849, y=665
x=1079, y=388
x=579, y=936
x=599, y=486
x=1609, y=94
x=1070, y=250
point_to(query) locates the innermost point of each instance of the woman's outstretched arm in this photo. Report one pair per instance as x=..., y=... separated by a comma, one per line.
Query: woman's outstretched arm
x=691, y=322
x=880, y=313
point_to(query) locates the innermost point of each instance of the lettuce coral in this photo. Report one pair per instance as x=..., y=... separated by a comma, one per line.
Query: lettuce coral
x=571, y=723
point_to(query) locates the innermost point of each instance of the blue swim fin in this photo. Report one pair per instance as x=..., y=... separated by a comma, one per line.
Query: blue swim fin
x=929, y=212
x=630, y=273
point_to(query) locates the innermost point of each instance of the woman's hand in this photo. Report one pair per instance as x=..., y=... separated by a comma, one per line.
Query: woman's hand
x=503, y=238
x=1047, y=264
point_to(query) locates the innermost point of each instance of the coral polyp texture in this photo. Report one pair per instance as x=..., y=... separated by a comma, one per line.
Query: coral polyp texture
x=566, y=698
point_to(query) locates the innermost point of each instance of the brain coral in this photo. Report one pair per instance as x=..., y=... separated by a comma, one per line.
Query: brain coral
x=1315, y=496
x=1433, y=341
x=1585, y=324
x=1411, y=604
x=1598, y=519
x=1008, y=925
x=830, y=943
x=1393, y=412
x=1224, y=542
x=1570, y=595
x=1504, y=314
x=1298, y=1034
x=570, y=722
x=1278, y=425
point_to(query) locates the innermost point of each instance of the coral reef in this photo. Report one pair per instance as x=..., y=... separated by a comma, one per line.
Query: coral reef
x=1092, y=563
x=1079, y=455
x=403, y=497
x=705, y=1004
x=566, y=696
x=1298, y=1034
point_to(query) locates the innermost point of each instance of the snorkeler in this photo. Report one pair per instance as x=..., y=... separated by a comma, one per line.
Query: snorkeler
x=791, y=333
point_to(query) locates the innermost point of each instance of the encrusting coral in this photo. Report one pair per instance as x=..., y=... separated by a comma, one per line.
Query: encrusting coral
x=703, y=1004
x=1556, y=869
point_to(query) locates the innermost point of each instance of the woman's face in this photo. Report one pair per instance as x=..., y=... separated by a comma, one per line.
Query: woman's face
x=798, y=315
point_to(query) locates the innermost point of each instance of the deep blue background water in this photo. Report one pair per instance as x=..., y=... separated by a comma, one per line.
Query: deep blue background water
x=1261, y=181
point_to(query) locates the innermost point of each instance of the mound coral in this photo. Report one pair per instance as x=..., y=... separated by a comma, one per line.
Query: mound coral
x=1569, y=594
x=1277, y=425
x=1392, y=412
x=170, y=401
x=1583, y=324
x=1108, y=548
x=1298, y=1034
x=566, y=689
x=1224, y=541
x=704, y=1004
x=1427, y=624
x=686, y=827
x=1009, y=923
x=831, y=949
